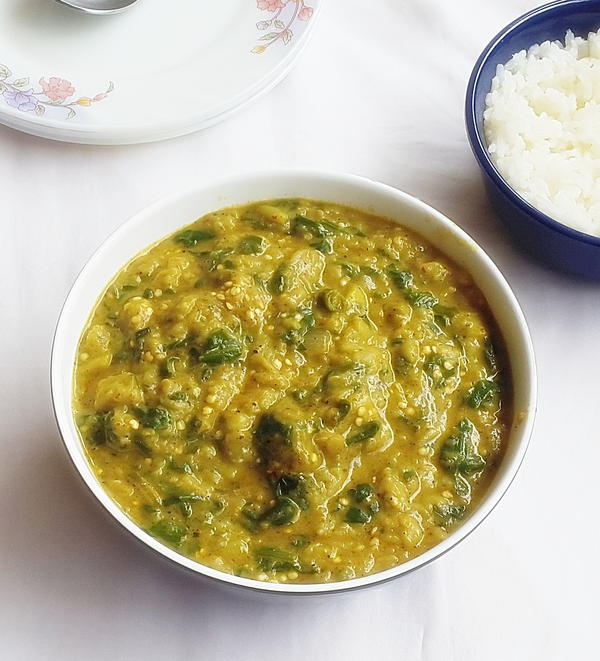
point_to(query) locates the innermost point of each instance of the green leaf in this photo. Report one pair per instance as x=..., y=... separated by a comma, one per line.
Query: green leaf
x=190, y=238
x=270, y=558
x=321, y=228
x=421, y=299
x=482, y=393
x=462, y=487
x=434, y=367
x=221, y=347
x=168, y=367
x=362, y=492
x=142, y=446
x=332, y=300
x=300, y=542
x=458, y=453
x=176, y=499
x=168, y=531
x=155, y=418
x=252, y=245
x=446, y=514
x=296, y=335
x=443, y=315
x=364, y=433
x=101, y=432
x=351, y=270
x=294, y=487
x=278, y=282
x=356, y=515
x=323, y=246
x=313, y=227
x=273, y=439
x=284, y=512
x=402, y=279
x=21, y=82
x=343, y=407
x=219, y=257
x=5, y=72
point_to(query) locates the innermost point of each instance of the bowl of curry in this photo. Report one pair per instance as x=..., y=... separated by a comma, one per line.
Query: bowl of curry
x=294, y=382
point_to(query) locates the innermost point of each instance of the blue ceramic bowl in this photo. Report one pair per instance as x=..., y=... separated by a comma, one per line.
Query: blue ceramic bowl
x=551, y=241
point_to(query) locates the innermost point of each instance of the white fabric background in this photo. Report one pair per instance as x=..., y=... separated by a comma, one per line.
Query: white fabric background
x=378, y=92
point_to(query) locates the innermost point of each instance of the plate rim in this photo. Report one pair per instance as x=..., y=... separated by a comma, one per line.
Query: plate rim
x=126, y=134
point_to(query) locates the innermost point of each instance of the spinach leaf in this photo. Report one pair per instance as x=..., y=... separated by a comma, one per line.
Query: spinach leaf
x=356, y=515
x=278, y=282
x=483, y=392
x=154, y=418
x=434, y=367
x=168, y=531
x=458, y=453
x=443, y=315
x=318, y=228
x=362, y=492
x=273, y=440
x=270, y=558
x=421, y=299
x=252, y=517
x=323, y=246
x=190, y=238
x=139, y=343
x=284, y=512
x=218, y=257
x=101, y=429
x=446, y=514
x=220, y=347
x=168, y=367
x=367, y=431
x=402, y=279
x=182, y=498
x=142, y=446
x=343, y=408
x=293, y=487
x=252, y=245
x=296, y=335
x=332, y=300
x=300, y=542
x=351, y=270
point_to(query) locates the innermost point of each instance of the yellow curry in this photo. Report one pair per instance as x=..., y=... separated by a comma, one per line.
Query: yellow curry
x=293, y=391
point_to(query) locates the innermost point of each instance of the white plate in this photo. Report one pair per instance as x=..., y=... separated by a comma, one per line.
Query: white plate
x=158, y=70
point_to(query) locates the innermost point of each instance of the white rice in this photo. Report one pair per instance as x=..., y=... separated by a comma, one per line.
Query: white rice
x=542, y=126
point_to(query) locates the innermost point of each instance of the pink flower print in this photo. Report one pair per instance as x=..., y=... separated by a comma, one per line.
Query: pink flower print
x=270, y=5
x=305, y=13
x=23, y=101
x=57, y=89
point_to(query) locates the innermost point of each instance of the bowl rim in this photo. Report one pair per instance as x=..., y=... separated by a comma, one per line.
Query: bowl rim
x=477, y=140
x=495, y=492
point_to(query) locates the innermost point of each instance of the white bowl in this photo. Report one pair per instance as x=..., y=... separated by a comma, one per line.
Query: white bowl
x=167, y=216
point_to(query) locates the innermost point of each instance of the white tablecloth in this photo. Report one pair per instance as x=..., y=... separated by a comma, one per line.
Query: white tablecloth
x=379, y=92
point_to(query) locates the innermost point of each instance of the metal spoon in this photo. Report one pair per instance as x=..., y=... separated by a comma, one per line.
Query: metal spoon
x=98, y=6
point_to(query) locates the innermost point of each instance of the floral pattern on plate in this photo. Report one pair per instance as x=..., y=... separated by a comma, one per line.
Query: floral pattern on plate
x=285, y=14
x=52, y=94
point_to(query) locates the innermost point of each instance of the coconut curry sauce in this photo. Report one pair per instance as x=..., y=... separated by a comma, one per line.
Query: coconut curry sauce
x=293, y=391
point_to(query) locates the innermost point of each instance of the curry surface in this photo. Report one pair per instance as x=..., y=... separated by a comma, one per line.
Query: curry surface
x=293, y=391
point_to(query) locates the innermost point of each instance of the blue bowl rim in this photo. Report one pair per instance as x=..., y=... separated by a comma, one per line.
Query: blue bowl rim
x=477, y=141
